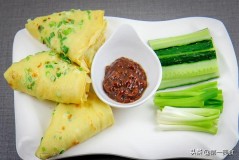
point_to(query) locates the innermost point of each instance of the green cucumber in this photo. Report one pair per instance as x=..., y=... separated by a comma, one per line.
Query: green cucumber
x=185, y=71
x=180, y=40
x=189, y=57
x=186, y=59
x=192, y=47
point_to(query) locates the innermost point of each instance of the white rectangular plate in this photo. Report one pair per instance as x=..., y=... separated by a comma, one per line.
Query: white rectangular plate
x=134, y=133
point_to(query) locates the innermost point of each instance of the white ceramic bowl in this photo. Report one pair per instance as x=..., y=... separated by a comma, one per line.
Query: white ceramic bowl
x=125, y=42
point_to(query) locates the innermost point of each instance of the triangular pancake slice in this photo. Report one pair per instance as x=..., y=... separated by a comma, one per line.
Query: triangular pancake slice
x=46, y=75
x=73, y=124
x=73, y=33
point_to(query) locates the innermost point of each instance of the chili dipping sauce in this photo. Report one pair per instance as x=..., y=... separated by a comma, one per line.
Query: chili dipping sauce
x=125, y=80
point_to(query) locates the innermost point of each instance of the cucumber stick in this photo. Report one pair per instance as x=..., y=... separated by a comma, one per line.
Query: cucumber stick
x=192, y=47
x=195, y=69
x=180, y=40
x=186, y=59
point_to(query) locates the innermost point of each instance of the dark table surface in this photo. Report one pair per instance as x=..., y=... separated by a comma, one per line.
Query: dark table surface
x=14, y=13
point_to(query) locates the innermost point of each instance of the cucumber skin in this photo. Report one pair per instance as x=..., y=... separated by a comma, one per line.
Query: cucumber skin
x=188, y=58
x=192, y=47
x=189, y=53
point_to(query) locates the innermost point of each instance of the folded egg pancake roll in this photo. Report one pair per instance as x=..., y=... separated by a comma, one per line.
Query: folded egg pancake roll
x=46, y=75
x=72, y=124
x=73, y=33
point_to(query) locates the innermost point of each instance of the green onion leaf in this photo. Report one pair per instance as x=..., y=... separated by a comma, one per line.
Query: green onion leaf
x=64, y=38
x=49, y=66
x=81, y=23
x=59, y=24
x=65, y=49
x=62, y=151
x=43, y=149
x=52, y=35
x=58, y=74
x=188, y=119
x=40, y=28
x=196, y=108
x=53, y=78
x=65, y=58
x=67, y=31
x=81, y=69
x=89, y=14
x=52, y=24
x=52, y=53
